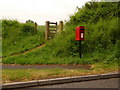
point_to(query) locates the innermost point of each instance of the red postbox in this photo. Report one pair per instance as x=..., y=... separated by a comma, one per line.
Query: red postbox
x=80, y=33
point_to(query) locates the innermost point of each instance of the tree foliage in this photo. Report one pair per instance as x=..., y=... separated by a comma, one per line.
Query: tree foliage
x=30, y=21
x=92, y=12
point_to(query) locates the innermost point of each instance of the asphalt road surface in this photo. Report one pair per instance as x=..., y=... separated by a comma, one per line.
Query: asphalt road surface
x=12, y=66
x=103, y=83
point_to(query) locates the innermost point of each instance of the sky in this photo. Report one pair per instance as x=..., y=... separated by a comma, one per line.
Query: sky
x=39, y=10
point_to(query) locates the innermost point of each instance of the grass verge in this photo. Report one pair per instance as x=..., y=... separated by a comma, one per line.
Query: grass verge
x=9, y=76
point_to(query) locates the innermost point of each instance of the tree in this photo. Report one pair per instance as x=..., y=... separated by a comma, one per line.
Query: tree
x=29, y=21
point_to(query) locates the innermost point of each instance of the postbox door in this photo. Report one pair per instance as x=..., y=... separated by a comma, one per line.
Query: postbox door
x=81, y=36
x=82, y=32
x=78, y=34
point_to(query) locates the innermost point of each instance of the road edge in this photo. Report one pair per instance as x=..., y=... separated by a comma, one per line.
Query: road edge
x=60, y=80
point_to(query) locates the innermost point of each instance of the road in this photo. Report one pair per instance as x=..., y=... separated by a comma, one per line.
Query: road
x=12, y=66
x=103, y=83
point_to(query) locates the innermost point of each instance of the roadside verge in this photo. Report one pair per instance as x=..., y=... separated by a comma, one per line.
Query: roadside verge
x=60, y=80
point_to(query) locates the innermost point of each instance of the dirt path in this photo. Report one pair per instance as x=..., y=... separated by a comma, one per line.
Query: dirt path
x=27, y=51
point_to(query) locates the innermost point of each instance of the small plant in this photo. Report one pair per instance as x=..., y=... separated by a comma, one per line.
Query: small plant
x=27, y=29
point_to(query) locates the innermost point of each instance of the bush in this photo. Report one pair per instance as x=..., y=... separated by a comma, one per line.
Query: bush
x=27, y=29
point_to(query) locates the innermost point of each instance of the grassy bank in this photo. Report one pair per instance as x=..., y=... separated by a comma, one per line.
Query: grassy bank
x=99, y=46
x=19, y=37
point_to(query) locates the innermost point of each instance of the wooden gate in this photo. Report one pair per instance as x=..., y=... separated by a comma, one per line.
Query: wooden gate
x=52, y=29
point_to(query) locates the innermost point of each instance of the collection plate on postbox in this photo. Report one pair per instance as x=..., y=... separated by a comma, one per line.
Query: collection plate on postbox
x=80, y=33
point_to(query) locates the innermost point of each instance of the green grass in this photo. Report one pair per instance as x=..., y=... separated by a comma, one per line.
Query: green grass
x=18, y=37
x=32, y=74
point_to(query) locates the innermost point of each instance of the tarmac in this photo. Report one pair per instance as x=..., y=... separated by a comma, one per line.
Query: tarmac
x=13, y=66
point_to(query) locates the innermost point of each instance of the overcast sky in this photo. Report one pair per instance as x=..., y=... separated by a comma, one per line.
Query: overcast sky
x=39, y=10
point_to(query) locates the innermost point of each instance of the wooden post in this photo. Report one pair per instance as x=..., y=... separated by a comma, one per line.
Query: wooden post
x=35, y=29
x=61, y=26
x=47, y=30
x=56, y=27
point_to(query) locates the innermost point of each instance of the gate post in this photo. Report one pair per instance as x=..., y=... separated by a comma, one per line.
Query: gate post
x=47, y=30
x=61, y=26
x=35, y=28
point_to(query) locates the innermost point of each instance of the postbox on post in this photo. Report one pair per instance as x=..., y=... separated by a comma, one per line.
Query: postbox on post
x=80, y=33
x=80, y=36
